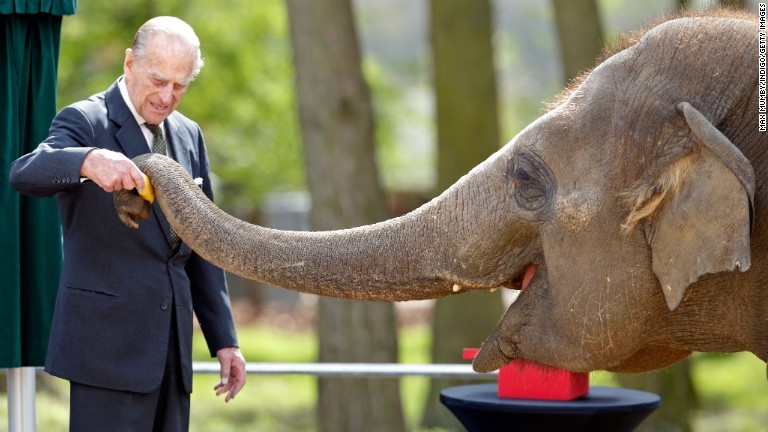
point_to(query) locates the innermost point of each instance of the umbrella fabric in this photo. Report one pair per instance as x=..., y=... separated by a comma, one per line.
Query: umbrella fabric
x=30, y=234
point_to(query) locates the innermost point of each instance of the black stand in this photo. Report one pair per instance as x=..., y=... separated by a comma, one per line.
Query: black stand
x=602, y=409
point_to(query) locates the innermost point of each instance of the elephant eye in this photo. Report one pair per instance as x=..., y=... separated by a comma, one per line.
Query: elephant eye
x=522, y=176
x=529, y=190
x=528, y=187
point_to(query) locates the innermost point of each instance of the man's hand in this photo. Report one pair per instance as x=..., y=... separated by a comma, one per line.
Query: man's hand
x=111, y=170
x=232, y=372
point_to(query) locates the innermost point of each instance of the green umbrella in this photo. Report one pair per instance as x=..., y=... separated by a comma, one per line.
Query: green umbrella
x=30, y=234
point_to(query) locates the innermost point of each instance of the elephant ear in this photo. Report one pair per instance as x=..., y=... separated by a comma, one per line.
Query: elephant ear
x=705, y=225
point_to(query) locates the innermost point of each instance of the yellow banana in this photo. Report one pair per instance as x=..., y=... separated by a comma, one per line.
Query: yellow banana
x=148, y=193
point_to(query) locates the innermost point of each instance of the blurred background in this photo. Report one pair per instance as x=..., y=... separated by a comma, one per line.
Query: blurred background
x=445, y=83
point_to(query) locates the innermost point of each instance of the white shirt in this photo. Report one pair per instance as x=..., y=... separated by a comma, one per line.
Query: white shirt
x=140, y=120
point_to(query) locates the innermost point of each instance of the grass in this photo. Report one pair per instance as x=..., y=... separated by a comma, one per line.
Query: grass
x=732, y=389
x=733, y=393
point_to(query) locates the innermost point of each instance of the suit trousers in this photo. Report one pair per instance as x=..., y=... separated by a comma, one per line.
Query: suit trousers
x=163, y=410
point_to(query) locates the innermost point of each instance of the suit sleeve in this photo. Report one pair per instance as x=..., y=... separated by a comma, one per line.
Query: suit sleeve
x=210, y=297
x=55, y=164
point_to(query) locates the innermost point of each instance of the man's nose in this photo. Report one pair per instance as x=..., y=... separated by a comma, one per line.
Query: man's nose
x=166, y=94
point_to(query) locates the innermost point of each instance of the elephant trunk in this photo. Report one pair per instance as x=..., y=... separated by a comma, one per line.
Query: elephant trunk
x=399, y=259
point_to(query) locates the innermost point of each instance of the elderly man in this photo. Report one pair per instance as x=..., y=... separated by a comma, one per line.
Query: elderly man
x=122, y=325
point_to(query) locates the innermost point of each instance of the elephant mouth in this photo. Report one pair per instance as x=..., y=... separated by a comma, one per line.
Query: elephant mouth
x=521, y=282
x=494, y=353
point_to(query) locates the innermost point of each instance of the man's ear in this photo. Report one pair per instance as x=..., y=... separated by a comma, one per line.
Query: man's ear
x=704, y=225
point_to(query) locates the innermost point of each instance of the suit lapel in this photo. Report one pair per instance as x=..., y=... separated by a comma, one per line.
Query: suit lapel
x=129, y=137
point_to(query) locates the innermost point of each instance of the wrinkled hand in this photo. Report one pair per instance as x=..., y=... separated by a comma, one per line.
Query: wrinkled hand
x=112, y=171
x=232, y=372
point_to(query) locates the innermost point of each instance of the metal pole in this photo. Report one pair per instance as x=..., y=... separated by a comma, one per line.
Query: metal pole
x=21, y=399
x=21, y=381
x=355, y=370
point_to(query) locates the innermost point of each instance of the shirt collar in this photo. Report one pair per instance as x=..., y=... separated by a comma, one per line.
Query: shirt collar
x=126, y=97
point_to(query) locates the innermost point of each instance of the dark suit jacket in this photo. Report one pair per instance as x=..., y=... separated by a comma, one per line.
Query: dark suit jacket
x=113, y=311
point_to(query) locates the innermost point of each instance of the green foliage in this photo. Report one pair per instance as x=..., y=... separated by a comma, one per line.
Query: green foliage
x=244, y=100
x=265, y=344
x=732, y=392
x=243, y=97
x=723, y=380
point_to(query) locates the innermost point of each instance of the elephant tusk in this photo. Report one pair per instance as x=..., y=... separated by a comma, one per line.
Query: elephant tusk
x=456, y=288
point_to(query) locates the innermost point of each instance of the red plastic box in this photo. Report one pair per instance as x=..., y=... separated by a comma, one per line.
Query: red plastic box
x=524, y=379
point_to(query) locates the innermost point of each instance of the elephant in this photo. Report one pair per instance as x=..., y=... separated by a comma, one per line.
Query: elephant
x=635, y=209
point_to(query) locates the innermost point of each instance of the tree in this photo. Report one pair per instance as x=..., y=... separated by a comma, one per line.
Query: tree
x=677, y=393
x=336, y=120
x=580, y=34
x=467, y=133
x=734, y=3
x=684, y=4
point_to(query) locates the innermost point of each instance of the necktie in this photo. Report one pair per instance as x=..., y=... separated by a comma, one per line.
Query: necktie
x=159, y=146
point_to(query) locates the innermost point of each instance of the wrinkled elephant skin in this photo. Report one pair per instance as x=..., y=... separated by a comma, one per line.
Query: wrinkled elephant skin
x=635, y=197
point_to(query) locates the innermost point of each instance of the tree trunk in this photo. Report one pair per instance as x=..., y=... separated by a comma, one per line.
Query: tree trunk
x=467, y=133
x=741, y=4
x=337, y=124
x=677, y=393
x=580, y=34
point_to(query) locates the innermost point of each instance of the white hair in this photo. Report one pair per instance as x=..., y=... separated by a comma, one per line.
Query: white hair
x=170, y=26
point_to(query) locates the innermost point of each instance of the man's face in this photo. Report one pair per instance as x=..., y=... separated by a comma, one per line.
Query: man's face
x=157, y=81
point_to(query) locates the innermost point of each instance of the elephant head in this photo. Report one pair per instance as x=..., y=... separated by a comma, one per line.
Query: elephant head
x=631, y=206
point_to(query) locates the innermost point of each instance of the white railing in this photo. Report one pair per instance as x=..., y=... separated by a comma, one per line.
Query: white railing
x=355, y=370
x=21, y=381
